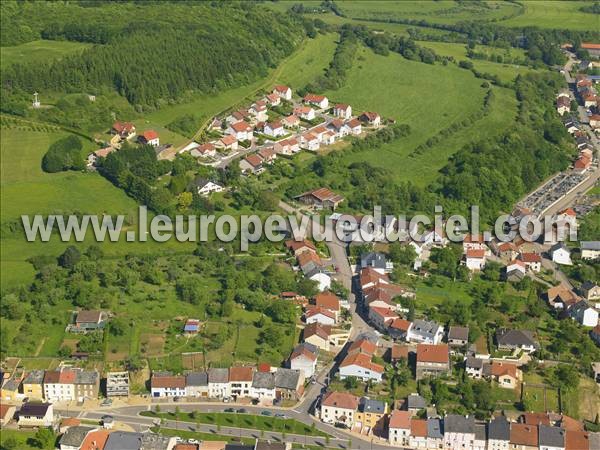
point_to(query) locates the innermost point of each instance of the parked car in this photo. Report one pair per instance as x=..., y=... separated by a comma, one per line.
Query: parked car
x=193, y=441
x=266, y=413
x=229, y=410
x=242, y=411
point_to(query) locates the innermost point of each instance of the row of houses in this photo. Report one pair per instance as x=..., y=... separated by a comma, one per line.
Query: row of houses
x=406, y=427
x=265, y=384
x=62, y=384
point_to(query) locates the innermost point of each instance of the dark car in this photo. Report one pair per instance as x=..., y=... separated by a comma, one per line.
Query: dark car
x=266, y=413
x=242, y=411
x=230, y=410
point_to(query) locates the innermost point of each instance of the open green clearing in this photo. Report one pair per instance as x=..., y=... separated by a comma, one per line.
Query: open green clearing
x=241, y=420
x=432, y=11
x=429, y=99
x=39, y=51
x=556, y=14
x=506, y=72
x=22, y=438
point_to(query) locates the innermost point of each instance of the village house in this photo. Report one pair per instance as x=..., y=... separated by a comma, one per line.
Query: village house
x=583, y=313
x=310, y=142
x=218, y=383
x=370, y=118
x=458, y=336
x=533, y=261
x=560, y=254
x=399, y=428
x=242, y=131
x=117, y=384
x=263, y=386
x=523, y=436
x=167, y=386
x=551, y=438
x=289, y=384
x=318, y=335
x=475, y=260
x=149, y=137
x=207, y=149
x=590, y=290
x=499, y=434
x=304, y=112
x=73, y=437
x=358, y=363
x=228, y=142
x=399, y=328
x=196, y=384
x=321, y=198
x=339, y=127
x=507, y=251
x=287, y=146
x=339, y=408
x=10, y=389
x=418, y=434
x=92, y=158
x=304, y=359
x=259, y=110
x=320, y=101
x=273, y=99
x=237, y=116
x=205, y=187
x=33, y=385
x=252, y=164
x=425, y=332
x=381, y=317
x=342, y=111
x=125, y=130
x=369, y=277
x=268, y=155
x=595, y=121
x=561, y=297
x=515, y=270
x=459, y=431
x=291, y=121
x=7, y=412
x=590, y=249
x=516, y=339
x=240, y=381
x=328, y=300
x=474, y=367
x=274, y=129
x=319, y=315
x=370, y=416
x=35, y=415
x=563, y=105
x=377, y=261
x=432, y=360
x=309, y=262
x=299, y=247
x=355, y=126
x=283, y=91
x=507, y=375
x=435, y=433
x=59, y=385
x=87, y=321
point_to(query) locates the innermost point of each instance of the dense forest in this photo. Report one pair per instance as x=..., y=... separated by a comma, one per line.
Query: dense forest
x=143, y=53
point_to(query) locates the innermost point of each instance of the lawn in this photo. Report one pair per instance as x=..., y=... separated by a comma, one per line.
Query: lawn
x=22, y=438
x=39, y=51
x=250, y=421
x=201, y=436
x=429, y=98
x=506, y=72
x=555, y=14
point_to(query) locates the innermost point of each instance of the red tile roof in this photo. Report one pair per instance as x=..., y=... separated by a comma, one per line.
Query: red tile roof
x=341, y=400
x=523, y=434
x=168, y=382
x=241, y=373
x=433, y=353
x=281, y=88
x=499, y=369
x=577, y=440
x=95, y=440
x=315, y=328
x=400, y=419
x=311, y=312
x=119, y=127
x=314, y=98
x=241, y=126
x=295, y=245
x=354, y=123
x=530, y=257
x=363, y=346
x=228, y=140
x=362, y=360
x=590, y=46
x=327, y=300
x=400, y=324
x=150, y=135
x=475, y=253
x=254, y=160
x=418, y=427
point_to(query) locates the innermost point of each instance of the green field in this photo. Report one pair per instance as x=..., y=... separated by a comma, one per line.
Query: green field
x=429, y=99
x=556, y=14
x=432, y=11
x=506, y=72
x=22, y=438
x=39, y=51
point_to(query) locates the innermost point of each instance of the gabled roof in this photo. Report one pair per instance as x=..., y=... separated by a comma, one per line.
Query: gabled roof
x=415, y=401
x=295, y=245
x=516, y=338
x=323, y=194
x=86, y=316
x=530, y=258
x=263, y=380
x=315, y=311
x=499, y=369
x=455, y=423
x=237, y=374
x=327, y=300
x=241, y=126
x=475, y=253
x=254, y=160
x=433, y=353
x=458, y=333
x=304, y=350
x=287, y=378
x=577, y=440
x=368, y=405
x=75, y=436
x=341, y=400
x=149, y=135
x=551, y=436
x=175, y=381
x=314, y=98
x=218, y=375
x=353, y=123
x=228, y=140
x=281, y=88
x=385, y=313
x=523, y=434
x=34, y=409
x=196, y=379
x=369, y=116
x=400, y=419
x=315, y=328
x=400, y=324
x=341, y=106
x=435, y=428
x=499, y=429
x=418, y=427
x=362, y=360
x=363, y=346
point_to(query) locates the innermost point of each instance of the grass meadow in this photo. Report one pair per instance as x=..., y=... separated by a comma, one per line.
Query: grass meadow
x=556, y=14
x=39, y=51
